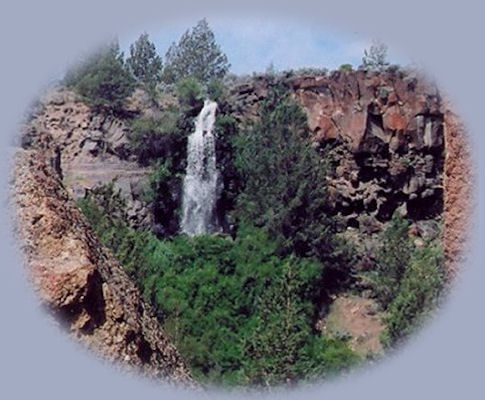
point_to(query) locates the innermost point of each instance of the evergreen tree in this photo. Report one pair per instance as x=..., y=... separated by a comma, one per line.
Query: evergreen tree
x=392, y=258
x=102, y=79
x=196, y=54
x=144, y=62
x=285, y=187
x=418, y=293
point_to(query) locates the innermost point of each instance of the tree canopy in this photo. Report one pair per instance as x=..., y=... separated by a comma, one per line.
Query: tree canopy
x=196, y=54
x=144, y=62
x=102, y=79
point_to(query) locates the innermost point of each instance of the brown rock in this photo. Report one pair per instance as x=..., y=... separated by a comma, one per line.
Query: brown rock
x=80, y=281
x=458, y=182
x=394, y=120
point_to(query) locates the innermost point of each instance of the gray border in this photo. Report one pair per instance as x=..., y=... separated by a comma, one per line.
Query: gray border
x=445, y=361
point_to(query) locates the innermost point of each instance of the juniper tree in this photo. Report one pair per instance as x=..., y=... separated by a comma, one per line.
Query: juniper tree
x=375, y=57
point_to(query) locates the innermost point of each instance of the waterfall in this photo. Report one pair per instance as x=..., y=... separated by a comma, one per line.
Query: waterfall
x=200, y=186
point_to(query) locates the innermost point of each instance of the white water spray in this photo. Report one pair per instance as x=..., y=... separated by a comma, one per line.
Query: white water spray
x=201, y=178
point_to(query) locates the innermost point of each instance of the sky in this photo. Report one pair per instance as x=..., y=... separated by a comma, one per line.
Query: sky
x=251, y=45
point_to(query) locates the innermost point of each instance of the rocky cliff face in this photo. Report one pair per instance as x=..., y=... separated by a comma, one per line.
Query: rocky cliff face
x=391, y=139
x=88, y=149
x=80, y=281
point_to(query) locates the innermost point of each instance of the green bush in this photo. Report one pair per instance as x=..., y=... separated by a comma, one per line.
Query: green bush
x=216, y=90
x=102, y=80
x=239, y=313
x=161, y=195
x=418, y=293
x=190, y=92
x=154, y=137
x=345, y=67
x=392, y=258
x=104, y=208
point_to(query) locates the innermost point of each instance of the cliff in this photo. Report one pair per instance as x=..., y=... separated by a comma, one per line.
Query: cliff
x=394, y=144
x=80, y=281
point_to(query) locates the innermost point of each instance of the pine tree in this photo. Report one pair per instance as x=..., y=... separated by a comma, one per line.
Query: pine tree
x=285, y=180
x=196, y=54
x=102, y=79
x=144, y=62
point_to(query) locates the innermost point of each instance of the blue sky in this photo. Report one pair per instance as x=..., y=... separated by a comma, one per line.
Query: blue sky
x=252, y=44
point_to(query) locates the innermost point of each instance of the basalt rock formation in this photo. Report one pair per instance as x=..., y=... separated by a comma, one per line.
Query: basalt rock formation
x=391, y=140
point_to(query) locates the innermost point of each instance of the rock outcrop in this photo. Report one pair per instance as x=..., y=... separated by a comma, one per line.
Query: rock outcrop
x=390, y=139
x=88, y=149
x=80, y=281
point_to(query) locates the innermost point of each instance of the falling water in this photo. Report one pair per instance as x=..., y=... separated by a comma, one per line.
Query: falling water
x=201, y=178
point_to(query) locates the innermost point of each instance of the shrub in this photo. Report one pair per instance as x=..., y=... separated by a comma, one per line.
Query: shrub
x=216, y=90
x=162, y=196
x=418, y=293
x=102, y=80
x=189, y=92
x=310, y=71
x=237, y=312
x=158, y=136
x=392, y=259
x=375, y=56
x=346, y=67
x=105, y=209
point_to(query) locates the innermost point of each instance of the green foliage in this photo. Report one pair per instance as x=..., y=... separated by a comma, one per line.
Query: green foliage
x=237, y=312
x=285, y=187
x=104, y=208
x=216, y=90
x=225, y=130
x=345, y=67
x=407, y=280
x=102, y=80
x=196, y=54
x=393, y=255
x=158, y=136
x=418, y=292
x=280, y=348
x=190, y=91
x=144, y=62
x=162, y=196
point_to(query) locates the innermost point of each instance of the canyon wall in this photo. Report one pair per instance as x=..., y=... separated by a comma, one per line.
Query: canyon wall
x=393, y=144
x=79, y=280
